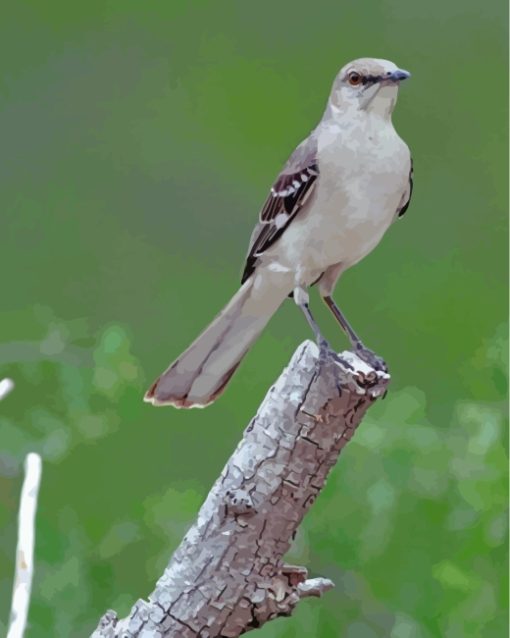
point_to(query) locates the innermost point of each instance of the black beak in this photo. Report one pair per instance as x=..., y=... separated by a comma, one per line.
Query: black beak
x=398, y=75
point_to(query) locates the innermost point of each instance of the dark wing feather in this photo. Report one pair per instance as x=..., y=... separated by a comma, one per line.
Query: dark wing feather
x=407, y=201
x=289, y=193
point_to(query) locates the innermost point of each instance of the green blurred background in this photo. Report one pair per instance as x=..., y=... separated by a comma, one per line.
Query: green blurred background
x=138, y=143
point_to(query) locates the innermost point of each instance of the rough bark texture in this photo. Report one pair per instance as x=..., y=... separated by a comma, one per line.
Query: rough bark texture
x=228, y=574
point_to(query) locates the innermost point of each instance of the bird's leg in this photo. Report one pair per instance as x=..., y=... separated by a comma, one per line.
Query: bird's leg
x=356, y=342
x=364, y=353
x=325, y=349
x=322, y=342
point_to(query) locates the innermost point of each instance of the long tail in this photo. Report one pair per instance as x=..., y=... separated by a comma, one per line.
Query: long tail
x=202, y=372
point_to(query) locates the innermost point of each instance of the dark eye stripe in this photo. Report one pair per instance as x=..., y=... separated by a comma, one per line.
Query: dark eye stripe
x=371, y=79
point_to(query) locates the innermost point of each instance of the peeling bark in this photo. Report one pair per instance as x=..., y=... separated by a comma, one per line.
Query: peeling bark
x=228, y=575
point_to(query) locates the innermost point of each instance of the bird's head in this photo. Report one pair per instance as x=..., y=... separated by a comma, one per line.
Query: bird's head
x=367, y=84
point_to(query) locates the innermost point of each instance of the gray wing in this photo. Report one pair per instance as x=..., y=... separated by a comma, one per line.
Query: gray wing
x=288, y=195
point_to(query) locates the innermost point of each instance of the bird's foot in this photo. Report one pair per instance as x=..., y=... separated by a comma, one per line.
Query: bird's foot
x=326, y=353
x=370, y=358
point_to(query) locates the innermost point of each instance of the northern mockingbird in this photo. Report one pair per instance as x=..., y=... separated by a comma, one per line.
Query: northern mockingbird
x=333, y=201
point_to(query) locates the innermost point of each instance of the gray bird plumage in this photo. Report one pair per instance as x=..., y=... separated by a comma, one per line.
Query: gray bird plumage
x=329, y=207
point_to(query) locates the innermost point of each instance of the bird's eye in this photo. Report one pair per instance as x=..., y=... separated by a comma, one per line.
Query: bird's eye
x=354, y=78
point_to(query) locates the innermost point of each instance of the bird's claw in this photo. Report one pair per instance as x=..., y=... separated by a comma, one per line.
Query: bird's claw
x=326, y=353
x=371, y=359
x=325, y=350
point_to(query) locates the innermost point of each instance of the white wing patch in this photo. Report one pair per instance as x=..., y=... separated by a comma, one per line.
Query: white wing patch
x=280, y=220
x=296, y=184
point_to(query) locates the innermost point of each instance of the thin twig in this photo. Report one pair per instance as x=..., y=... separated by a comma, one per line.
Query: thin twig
x=6, y=385
x=25, y=547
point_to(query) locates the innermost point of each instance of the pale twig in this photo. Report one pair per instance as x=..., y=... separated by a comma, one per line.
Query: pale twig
x=6, y=385
x=25, y=547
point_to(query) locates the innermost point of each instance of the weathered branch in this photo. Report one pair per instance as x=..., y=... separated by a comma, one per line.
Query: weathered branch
x=228, y=575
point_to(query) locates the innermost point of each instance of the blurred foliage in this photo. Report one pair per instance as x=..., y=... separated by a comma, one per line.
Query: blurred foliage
x=138, y=142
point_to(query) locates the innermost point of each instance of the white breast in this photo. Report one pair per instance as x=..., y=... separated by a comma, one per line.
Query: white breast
x=363, y=174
